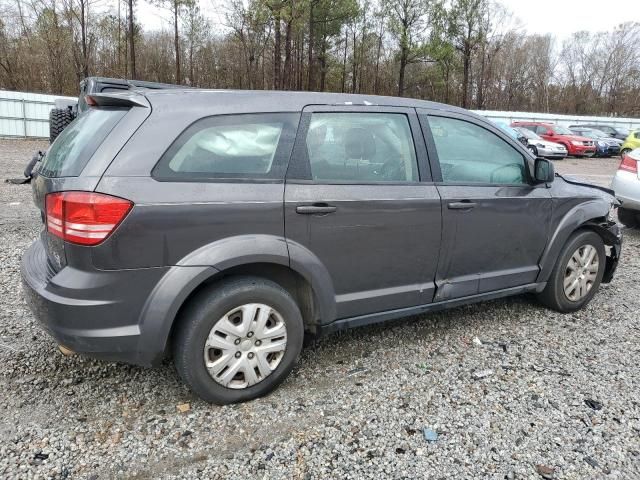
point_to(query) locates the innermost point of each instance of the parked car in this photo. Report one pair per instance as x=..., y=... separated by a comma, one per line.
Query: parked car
x=542, y=148
x=576, y=146
x=514, y=133
x=611, y=130
x=626, y=184
x=221, y=226
x=631, y=143
x=606, y=146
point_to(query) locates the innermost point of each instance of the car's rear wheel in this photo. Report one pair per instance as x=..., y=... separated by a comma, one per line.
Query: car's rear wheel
x=238, y=340
x=533, y=149
x=577, y=274
x=628, y=218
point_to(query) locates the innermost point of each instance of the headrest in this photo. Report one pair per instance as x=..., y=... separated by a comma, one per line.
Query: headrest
x=359, y=143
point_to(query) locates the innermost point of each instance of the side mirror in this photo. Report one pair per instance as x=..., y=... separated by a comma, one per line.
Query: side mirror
x=544, y=171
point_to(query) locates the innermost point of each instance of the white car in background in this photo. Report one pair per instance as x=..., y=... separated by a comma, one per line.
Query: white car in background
x=626, y=184
x=541, y=147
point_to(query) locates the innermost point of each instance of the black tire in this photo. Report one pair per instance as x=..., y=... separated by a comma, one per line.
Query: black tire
x=59, y=118
x=628, y=218
x=553, y=296
x=202, y=313
x=533, y=150
x=624, y=151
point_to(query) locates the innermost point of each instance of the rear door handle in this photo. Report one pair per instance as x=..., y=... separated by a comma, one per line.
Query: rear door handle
x=316, y=208
x=463, y=205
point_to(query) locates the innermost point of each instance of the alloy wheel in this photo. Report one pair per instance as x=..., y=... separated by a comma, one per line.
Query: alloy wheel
x=581, y=272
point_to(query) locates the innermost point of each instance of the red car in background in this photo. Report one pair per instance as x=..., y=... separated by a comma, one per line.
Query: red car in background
x=576, y=146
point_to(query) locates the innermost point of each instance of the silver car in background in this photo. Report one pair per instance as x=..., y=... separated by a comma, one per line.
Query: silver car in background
x=541, y=147
x=626, y=184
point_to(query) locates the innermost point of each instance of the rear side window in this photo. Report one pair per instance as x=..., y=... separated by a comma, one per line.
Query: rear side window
x=73, y=148
x=252, y=146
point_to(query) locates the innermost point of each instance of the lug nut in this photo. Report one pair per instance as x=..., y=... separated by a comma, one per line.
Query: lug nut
x=258, y=343
x=238, y=354
x=237, y=341
x=250, y=334
x=250, y=355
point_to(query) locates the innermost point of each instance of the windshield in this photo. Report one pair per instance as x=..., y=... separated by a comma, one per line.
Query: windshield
x=529, y=134
x=73, y=148
x=562, y=130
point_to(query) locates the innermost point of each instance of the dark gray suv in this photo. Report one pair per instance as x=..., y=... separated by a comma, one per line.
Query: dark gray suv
x=221, y=226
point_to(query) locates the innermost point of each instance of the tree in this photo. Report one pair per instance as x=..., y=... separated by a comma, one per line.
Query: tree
x=468, y=30
x=406, y=22
x=176, y=8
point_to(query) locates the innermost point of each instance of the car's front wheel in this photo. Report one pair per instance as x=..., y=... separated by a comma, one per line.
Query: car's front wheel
x=238, y=340
x=577, y=274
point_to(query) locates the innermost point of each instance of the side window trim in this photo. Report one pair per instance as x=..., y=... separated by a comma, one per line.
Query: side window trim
x=434, y=159
x=299, y=170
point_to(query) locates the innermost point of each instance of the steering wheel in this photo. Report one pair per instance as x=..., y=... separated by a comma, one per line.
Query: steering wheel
x=503, y=167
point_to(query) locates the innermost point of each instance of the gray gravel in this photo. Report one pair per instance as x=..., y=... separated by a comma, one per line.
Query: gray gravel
x=511, y=389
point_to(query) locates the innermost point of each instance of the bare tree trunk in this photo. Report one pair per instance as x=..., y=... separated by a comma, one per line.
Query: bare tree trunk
x=310, y=80
x=83, y=32
x=466, y=62
x=375, y=84
x=132, y=48
x=354, y=63
x=344, y=59
x=277, y=82
x=286, y=80
x=176, y=40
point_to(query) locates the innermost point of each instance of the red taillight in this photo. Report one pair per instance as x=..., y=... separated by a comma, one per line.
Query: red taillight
x=85, y=218
x=628, y=164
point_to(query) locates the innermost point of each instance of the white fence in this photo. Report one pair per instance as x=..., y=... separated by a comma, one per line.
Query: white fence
x=25, y=114
x=565, y=120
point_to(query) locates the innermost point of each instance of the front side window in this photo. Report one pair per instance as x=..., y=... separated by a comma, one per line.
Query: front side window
x=361, y=147
x=469, y=153
x=231, y=146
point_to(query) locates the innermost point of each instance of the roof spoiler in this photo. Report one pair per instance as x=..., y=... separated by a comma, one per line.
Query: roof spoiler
x=124, y=99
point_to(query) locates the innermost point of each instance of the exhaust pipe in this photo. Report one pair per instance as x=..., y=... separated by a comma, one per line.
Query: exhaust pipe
x=65, y=351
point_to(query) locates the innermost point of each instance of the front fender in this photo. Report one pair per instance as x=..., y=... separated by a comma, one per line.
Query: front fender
x=576, y=217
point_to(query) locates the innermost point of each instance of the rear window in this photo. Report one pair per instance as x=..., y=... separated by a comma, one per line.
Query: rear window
x=73, y=148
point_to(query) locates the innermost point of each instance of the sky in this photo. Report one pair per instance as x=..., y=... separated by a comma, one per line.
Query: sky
x=559, y=17
x=564, y=17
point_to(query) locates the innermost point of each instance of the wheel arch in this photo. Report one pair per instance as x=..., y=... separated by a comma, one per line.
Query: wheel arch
x=591, y=215
x=303, y=277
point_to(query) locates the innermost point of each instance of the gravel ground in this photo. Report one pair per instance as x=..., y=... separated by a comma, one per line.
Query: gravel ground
x=511, y=390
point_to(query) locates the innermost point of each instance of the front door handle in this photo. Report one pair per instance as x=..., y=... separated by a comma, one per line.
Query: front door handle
x=315, y=209
x=463, y=205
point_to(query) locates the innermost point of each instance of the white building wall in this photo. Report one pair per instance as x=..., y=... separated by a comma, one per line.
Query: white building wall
x=565, y=120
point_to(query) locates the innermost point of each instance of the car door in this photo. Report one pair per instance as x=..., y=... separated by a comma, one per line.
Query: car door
x=359, y=201
x=495, y=221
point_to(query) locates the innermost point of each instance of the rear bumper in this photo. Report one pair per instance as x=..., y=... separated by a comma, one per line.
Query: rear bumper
x=92, y=312
x=627, y=189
